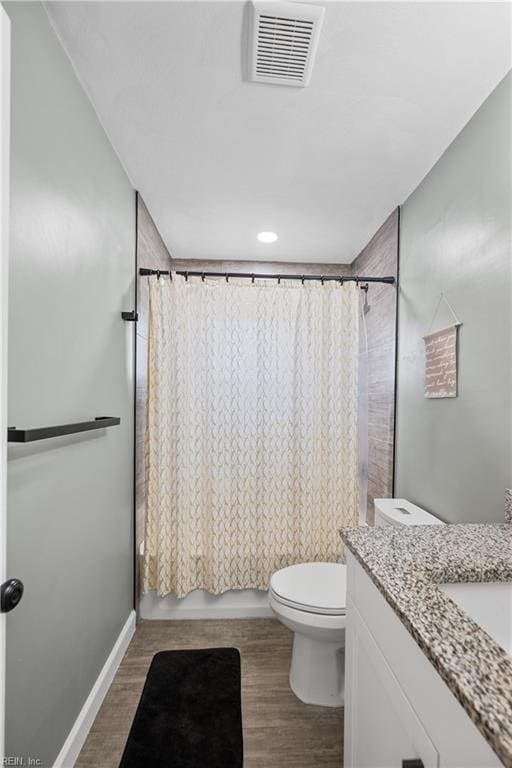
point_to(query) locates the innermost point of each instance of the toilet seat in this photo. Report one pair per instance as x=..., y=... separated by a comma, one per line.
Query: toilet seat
x=312, y=587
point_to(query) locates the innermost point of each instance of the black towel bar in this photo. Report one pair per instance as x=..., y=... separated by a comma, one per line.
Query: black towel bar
x=15, y=435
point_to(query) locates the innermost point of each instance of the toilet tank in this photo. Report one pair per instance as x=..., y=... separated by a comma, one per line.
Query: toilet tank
x=402, y=512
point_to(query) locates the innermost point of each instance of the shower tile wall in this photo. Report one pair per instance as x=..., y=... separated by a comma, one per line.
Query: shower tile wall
x=151, y=252
x=380, y=257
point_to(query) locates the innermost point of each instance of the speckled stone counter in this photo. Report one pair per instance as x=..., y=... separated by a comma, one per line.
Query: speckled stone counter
x=406, y=564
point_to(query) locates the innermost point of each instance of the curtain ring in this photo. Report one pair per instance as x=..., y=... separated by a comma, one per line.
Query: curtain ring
x=322, y=280
x=341, y=280
x=186, y=277
x=226, y=275
x=158, y=274
x=252, y=278
x=302, y=279
x=202, y=277
x=279, y=279
x=357, y=280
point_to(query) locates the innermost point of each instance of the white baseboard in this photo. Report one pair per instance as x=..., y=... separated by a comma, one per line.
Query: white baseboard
x=78, y=733
x=235, y=604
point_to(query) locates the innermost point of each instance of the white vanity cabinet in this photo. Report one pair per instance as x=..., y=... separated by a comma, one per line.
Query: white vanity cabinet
x=397, y=707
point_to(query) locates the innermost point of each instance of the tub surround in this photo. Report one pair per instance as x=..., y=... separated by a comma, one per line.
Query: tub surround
x=380, y=257
x=407, y=565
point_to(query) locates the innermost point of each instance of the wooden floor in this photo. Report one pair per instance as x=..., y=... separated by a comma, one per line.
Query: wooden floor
x=279, y=730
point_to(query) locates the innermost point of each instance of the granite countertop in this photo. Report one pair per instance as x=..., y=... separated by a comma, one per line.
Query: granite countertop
x=406, y=565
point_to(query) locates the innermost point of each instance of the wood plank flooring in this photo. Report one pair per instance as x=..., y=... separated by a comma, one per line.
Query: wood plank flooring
x=279, y=730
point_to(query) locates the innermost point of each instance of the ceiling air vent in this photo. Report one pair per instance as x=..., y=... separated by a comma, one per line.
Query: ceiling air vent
x=284, y=42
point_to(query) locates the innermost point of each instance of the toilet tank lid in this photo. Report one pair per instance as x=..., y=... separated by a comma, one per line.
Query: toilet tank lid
x=403, y=512
x=316, y=585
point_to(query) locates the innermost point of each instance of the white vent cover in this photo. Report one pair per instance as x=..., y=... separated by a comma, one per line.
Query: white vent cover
x=284, y=42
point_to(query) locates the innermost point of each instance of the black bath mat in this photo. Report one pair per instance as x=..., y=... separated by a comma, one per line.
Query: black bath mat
x=189, y=714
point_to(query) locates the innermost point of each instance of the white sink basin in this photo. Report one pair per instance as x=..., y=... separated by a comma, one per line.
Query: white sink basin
x=489, y=604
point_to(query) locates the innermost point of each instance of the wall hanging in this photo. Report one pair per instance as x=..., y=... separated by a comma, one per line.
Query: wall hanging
x=441, y=357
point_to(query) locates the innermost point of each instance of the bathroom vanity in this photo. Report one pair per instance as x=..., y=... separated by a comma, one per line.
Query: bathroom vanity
x=424, y=682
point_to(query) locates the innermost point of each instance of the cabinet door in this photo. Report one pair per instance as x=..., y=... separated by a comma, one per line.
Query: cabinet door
x=381, y=727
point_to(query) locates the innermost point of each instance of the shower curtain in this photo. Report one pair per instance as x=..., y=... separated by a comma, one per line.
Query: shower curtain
x=251, y=446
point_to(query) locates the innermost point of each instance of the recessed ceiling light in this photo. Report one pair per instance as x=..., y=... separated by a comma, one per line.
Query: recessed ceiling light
x=267, y=237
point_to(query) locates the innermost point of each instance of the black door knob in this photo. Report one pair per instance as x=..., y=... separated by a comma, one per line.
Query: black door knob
x=414, y=763
x=11, y=593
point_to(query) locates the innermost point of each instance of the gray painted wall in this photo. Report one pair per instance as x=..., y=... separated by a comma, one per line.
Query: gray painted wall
x=454, y=455
x=70, y=358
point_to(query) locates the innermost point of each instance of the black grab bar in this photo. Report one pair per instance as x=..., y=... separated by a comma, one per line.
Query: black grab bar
x=15, y=435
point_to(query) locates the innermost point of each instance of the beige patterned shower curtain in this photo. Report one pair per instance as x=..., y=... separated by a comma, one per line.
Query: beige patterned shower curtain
x=252, y=460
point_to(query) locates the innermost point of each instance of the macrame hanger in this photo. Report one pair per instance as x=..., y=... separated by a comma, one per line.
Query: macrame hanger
x=442, y=297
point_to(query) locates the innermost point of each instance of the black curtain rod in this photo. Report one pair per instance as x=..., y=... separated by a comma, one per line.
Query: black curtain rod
x=390, y=280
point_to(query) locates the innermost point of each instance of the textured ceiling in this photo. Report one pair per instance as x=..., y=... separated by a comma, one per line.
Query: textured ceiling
x=218, y=159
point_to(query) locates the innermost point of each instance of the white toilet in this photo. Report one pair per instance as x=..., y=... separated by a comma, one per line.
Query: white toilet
x=310, y=599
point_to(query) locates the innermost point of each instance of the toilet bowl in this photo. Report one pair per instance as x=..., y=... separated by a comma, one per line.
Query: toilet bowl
x=310, y=599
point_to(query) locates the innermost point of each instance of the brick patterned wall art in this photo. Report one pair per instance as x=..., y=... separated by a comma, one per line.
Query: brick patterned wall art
x=441, y=362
